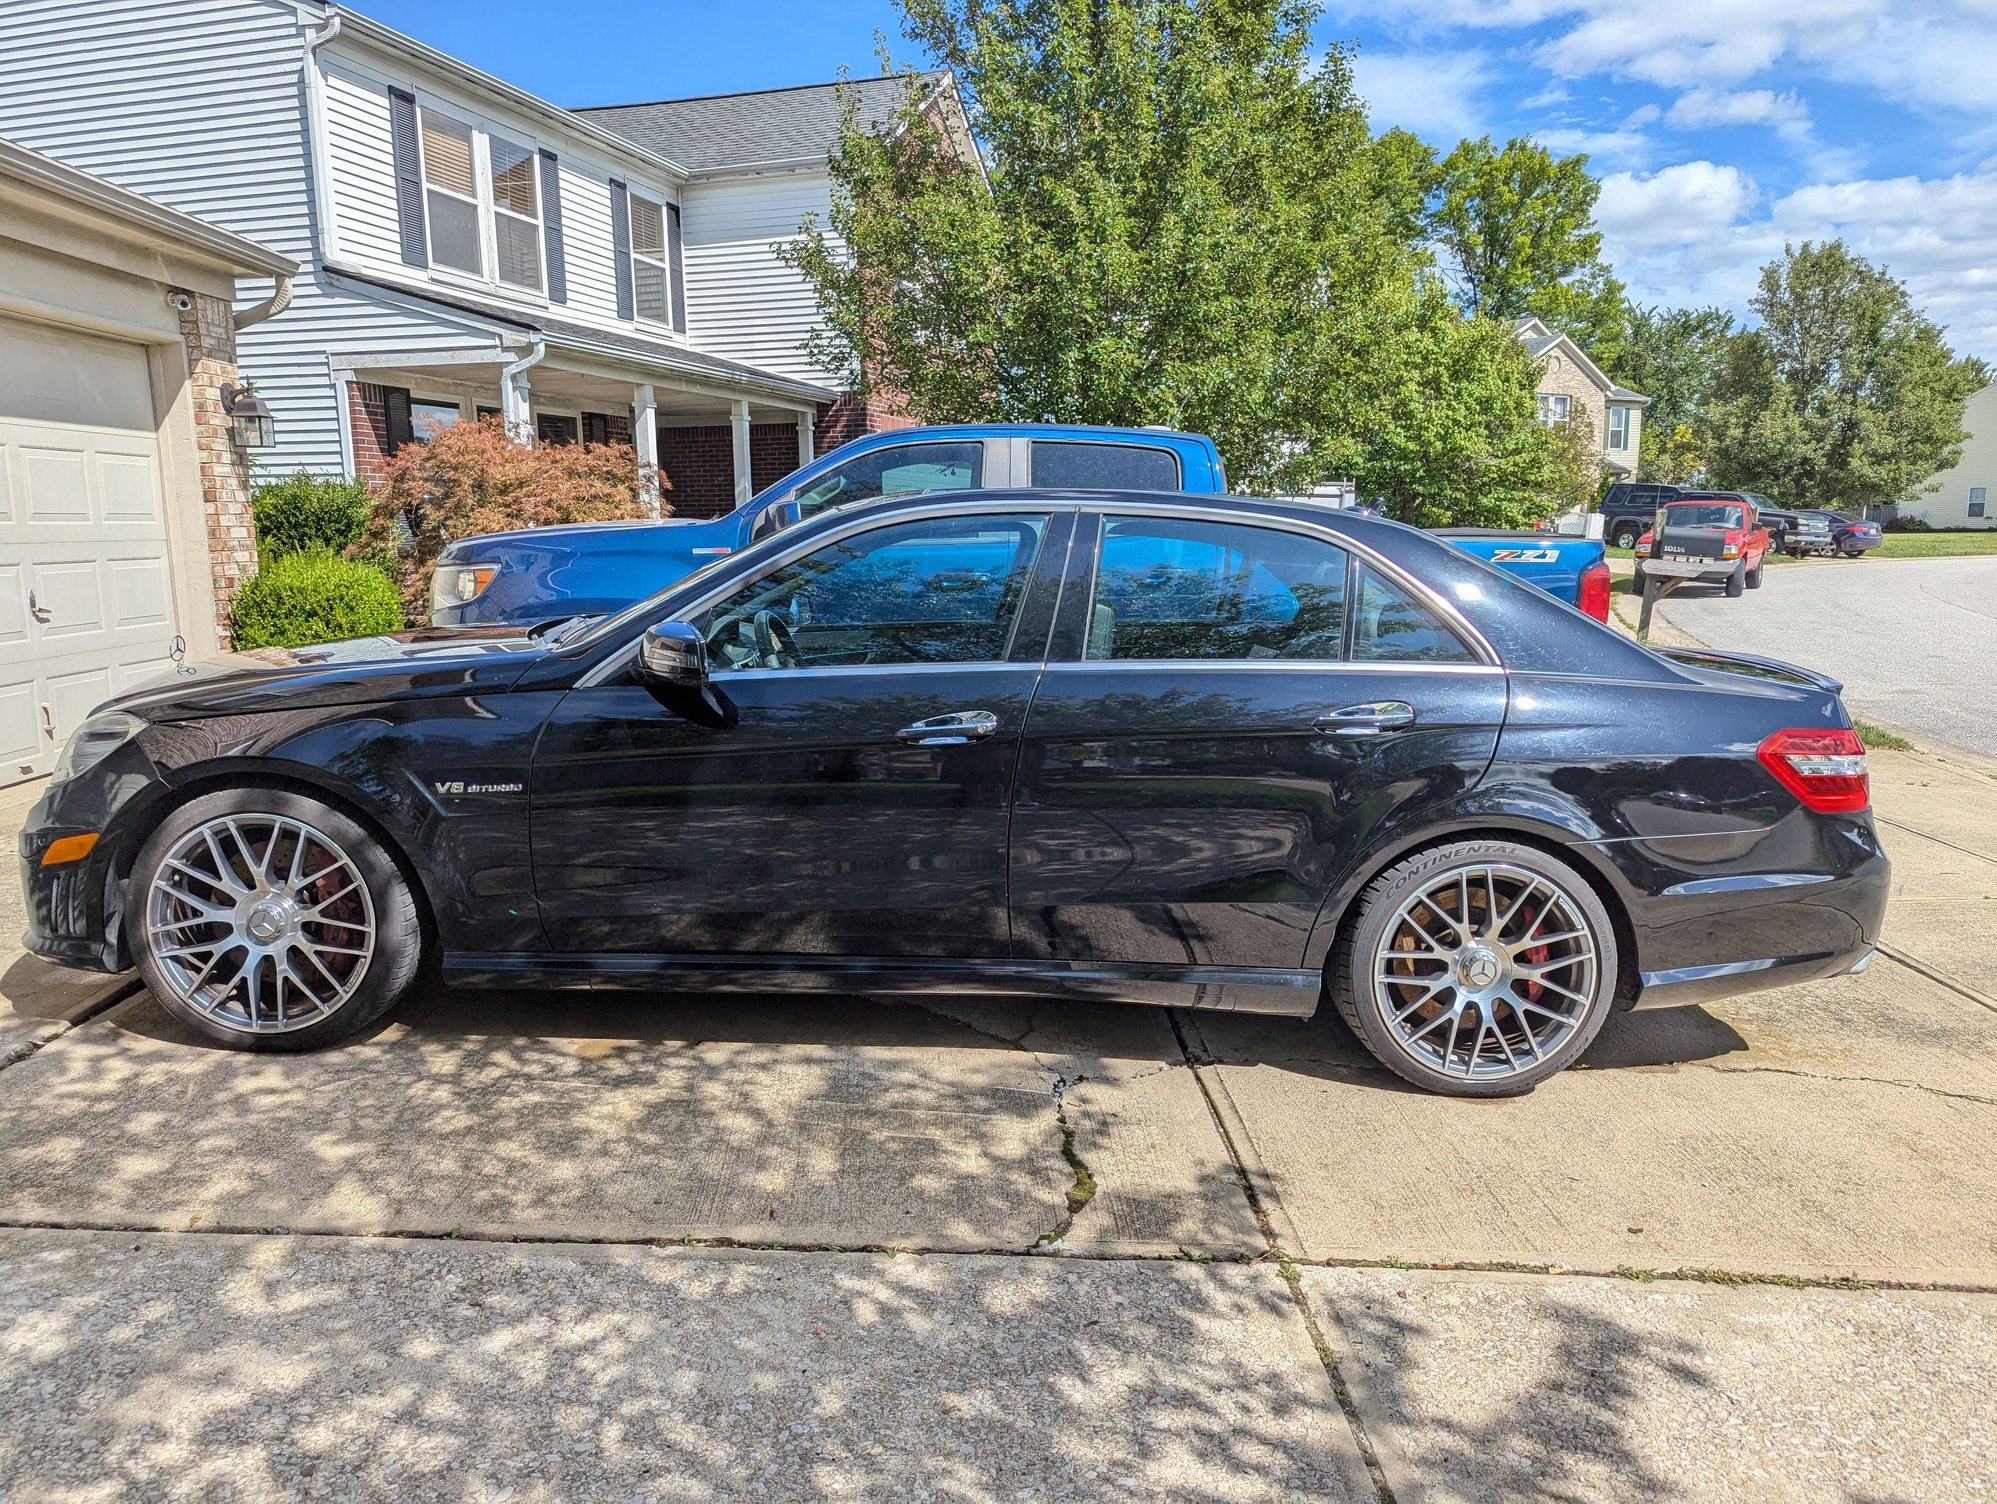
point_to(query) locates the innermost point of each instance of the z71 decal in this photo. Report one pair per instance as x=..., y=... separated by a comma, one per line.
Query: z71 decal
x=1524, y=555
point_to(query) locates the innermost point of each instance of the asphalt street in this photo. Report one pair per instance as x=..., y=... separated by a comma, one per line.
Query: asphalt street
x=1910, y=638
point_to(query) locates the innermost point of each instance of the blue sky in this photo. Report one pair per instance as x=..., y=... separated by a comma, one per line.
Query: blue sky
x=1719, y=127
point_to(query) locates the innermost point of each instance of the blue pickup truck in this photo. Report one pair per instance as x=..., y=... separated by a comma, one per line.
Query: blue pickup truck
x=520, y=578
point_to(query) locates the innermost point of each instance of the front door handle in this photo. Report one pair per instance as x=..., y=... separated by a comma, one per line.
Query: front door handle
x=1370, y=719
x=951, y=730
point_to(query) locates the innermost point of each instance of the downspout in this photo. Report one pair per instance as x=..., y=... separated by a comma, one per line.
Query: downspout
x=513, y=408
x=269, y=308
x=324, y=239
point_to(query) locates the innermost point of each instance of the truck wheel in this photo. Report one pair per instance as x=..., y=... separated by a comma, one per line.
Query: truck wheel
x=1754, y=575
x=1625, y=536
x=1737, y=581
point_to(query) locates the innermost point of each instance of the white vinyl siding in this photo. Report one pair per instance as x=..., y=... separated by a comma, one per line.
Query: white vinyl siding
x=742, y=302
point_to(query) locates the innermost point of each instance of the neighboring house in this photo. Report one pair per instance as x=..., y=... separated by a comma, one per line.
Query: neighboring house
x=1569, y=382
x=468, y=248
x=1965, y=496
x=124, y=501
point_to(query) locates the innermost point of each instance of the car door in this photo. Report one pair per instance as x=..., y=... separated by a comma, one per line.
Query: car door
x=1232, y=711
x=851, y=796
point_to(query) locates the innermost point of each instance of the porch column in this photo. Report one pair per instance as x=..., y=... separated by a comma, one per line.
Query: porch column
x=645, y=434
x=738, y=420
x=806, y=441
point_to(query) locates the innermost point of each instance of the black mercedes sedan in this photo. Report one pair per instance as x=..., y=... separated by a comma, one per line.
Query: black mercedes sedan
x=1200, y=752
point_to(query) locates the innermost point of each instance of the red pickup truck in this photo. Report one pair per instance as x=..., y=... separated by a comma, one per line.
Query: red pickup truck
x=1711, y=535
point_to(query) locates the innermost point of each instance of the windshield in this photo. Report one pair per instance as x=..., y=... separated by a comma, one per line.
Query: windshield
x=601, y=627
x=1705, y=514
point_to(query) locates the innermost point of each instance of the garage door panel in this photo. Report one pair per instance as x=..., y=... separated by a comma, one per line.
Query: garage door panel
x=140, y=596
x=129, y=487
x=6, y=483
x=13, y=607
x=56, y=484
x=20, y=730
x=74, y=695
x=69, y=601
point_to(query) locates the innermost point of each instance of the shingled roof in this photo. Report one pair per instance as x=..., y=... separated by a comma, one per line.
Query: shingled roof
x=716, y=131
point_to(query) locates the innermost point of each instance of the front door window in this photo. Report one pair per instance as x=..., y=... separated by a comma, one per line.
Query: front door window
x=898, y=470
x=929, y=590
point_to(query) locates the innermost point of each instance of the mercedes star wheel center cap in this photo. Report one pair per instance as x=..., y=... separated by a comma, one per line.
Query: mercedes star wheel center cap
x=1480, y=968
x=267, y=921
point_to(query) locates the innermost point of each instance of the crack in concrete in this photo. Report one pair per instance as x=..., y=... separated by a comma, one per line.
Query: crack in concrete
x=15, y=1054
x=1783, y=1070
x=1084, y=1188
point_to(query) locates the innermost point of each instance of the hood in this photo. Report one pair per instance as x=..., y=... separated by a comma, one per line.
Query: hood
x=396, y=665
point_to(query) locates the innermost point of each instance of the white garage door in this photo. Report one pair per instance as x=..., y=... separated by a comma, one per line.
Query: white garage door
x=86, y=601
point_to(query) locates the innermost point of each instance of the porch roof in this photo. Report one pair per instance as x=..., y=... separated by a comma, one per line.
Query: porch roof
x=627, y=349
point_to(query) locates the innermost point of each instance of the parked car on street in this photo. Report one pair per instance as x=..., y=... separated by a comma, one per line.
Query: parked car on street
x=1848, y=536
x=1202, y=752
x=1706, y=535
x=1628, y=508
x=535, y=575
x=1798, y=534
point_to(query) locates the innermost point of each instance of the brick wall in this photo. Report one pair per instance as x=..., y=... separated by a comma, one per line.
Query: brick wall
x=208, y=330
x=853, y=415
x=700, y=464
x=367, y=412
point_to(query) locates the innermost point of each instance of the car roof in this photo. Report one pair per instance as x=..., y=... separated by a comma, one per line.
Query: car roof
x=1055, y=431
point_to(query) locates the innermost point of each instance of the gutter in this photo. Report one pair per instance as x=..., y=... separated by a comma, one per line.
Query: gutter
x=269, y=308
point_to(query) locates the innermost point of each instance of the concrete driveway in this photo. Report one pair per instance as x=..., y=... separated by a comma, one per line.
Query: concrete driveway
x=560, y=1247
x=1910, y=638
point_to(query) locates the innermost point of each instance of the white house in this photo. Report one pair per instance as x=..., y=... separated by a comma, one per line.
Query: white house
x=465, y=246
x=1965, y=496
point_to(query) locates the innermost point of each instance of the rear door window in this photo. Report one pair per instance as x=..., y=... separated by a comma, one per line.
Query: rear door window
x=897, y=470
x=1391, y=626
x=1104, y=467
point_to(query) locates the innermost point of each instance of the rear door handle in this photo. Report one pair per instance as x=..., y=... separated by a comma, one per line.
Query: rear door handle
x=1370, y=719
x=951, y=730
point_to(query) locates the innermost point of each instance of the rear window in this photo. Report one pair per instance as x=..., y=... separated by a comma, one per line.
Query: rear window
x=1705, y=514
x=1104, y=467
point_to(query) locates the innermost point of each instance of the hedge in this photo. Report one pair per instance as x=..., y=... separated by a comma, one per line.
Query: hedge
x=302, y=598
x=309, y=513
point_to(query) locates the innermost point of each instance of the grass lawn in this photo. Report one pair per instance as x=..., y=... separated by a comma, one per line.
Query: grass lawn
x=1935, y=545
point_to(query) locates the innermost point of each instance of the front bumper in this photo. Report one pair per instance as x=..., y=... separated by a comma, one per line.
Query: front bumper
x=1688, y=569
x=71, y=920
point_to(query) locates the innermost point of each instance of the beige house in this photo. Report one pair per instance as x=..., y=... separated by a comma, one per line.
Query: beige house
x=1965, y=496
x=124, y=499
x=1570, y=383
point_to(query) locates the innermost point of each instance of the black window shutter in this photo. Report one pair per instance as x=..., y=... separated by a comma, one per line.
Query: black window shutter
x=551, y=228
x=408, y=176
x=400, y=429
x=620, y=245
x=676, y=262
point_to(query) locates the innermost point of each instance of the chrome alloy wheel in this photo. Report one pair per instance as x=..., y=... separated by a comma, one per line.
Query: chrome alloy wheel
x=1485, y=971
x=260, y=922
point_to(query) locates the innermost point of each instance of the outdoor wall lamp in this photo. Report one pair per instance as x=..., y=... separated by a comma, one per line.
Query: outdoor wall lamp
x=249, y=416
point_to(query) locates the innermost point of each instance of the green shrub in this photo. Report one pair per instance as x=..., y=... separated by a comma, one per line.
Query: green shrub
x=1905, y=525
x=304, y=598
x=303, y=513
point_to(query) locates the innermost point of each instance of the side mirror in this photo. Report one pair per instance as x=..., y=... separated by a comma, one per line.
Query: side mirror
x=776, y=517
x=673, y=655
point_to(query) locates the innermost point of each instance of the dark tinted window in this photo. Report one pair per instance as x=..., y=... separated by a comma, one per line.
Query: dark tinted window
x=936, y=590
x=1167, y=588
x=1105, y=467
x=1389, y=625
x=896, y=471
x=1706, y=514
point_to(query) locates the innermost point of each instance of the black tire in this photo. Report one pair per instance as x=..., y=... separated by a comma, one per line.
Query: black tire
x=1363, y=945
x=1625, y=535
x=1737, y=581
x=377, y=982
x=1754, y=575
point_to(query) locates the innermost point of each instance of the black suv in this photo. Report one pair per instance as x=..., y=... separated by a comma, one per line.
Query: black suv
x=1630, y=507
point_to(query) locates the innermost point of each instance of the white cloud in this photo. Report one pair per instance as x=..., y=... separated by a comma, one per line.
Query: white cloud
x=1437, y=95
x=1699, y=233
x=1702, y=108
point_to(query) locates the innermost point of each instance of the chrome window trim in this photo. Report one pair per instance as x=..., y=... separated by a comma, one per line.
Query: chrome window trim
x=1294, y=665
x=1012, y=507
x=1434, y=599
x=1037, y=503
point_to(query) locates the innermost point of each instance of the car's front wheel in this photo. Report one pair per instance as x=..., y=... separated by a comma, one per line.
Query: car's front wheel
x=1625, y=537
x=271, y=921
x=1737, y=581
x=1477, y=969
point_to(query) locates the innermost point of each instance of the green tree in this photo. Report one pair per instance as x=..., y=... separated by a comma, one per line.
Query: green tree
x=1844, y=395
x=1515, y=231
x=1453, y=435
x=1674, y=356
x=1179, y=218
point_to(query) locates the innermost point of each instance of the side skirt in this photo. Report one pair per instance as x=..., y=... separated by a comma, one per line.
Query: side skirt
x=1239, y=989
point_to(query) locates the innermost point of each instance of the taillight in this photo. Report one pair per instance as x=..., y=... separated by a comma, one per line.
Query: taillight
x=1596, y=586
x=1824, y=769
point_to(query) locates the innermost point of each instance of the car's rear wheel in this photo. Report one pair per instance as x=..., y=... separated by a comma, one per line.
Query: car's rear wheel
x=1737, y=581
x=1477, y=969
x=1625, y=536
x=271, y=921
